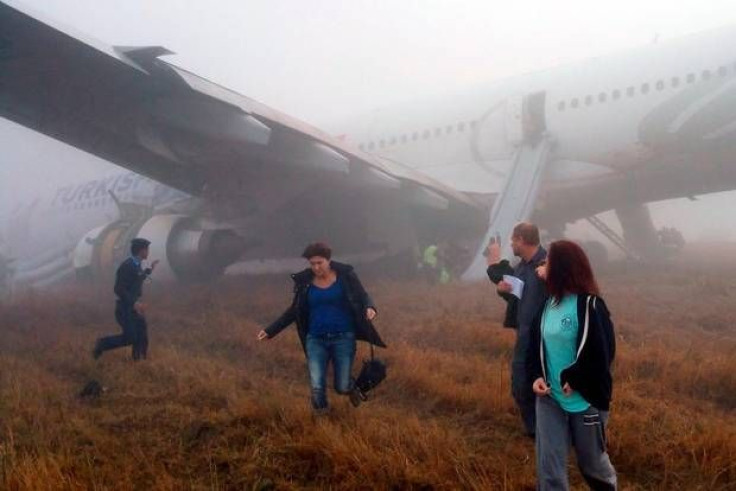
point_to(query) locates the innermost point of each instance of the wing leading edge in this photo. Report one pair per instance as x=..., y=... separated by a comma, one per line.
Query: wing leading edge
x=126, y=105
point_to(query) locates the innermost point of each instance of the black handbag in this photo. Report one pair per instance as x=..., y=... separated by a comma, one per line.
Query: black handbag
x=371, y=375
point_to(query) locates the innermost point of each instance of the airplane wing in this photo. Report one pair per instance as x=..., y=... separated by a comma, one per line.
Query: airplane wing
x=127, y=106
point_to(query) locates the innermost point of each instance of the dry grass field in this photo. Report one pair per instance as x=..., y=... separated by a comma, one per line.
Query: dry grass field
x=215, y=409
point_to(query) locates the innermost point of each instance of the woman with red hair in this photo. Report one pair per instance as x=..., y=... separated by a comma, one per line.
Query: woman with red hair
x=572, y=350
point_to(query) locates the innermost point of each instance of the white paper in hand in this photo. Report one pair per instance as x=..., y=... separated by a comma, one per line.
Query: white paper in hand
x=517, y=285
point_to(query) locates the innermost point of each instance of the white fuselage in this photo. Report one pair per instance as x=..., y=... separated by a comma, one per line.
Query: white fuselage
x=594, y=111
x=669, y=107
x=41, y=234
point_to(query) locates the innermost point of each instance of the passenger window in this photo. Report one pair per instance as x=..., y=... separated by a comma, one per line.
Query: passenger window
x=588, y=100
x=448, y=129
x=616, y=94
x=690, y=78
x=415, y=136
x=561, y=106
x=426, y=134
x=473, y=124
x=574, y=103
x=706, y=75
x=393, y=141
x=644, y=88
x=602, y=97
x=722, y=71
x=437, y=132
x=461, y=126
x=675, y=82
x=630, y=92
x=660, y=85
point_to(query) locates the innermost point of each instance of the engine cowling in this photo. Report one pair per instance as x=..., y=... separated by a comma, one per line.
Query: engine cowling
x=186, y=249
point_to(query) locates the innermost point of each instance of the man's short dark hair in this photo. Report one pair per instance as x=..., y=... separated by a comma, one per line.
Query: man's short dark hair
x=527, y=232
x=138, y=244
x=317, y=249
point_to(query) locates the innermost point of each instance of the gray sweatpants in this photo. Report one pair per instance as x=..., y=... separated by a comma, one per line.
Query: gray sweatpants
x=586, y=432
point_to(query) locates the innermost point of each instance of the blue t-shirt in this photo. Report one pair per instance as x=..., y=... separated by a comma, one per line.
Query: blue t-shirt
x=560, y=333
x=329, y=310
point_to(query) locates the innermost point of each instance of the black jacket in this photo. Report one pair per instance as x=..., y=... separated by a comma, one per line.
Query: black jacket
x=357, y=297
x=495, y=274
x=521, y=311
x=129, y=281
x=590, y=374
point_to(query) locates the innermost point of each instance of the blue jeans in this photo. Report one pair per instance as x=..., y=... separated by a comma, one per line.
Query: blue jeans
x=338, y=347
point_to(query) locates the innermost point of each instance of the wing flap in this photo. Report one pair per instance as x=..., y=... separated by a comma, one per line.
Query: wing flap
x=126, y=105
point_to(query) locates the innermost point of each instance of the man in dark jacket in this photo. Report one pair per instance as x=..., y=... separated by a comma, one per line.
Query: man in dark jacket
x=129, y=310
x=520, y=312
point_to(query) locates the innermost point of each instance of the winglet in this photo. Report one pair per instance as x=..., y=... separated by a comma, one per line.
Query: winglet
x=143, y=56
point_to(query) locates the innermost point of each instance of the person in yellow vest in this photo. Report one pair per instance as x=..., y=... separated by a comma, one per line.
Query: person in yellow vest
x=433, y=265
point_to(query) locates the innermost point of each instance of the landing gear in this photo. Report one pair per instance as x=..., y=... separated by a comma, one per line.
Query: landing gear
x=671, y=240
x=640, y=241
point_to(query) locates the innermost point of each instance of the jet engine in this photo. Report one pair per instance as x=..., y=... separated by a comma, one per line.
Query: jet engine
x=187, y=249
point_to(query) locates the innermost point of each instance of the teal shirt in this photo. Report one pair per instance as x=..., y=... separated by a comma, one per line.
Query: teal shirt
x=560, y=332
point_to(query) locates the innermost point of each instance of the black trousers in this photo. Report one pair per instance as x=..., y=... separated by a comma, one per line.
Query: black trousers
x=135, y=332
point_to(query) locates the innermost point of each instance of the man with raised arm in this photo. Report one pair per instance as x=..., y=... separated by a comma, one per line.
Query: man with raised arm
x=521, y=309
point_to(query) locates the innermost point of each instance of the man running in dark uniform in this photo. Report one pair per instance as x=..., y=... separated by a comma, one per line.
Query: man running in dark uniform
x=129, y=310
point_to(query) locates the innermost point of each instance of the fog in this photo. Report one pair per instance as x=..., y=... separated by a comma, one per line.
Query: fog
x=323, y=61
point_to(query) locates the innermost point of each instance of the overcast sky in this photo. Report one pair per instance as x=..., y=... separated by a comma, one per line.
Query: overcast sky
x=322, y=60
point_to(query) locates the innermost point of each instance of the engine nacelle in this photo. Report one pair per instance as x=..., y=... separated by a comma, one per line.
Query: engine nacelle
x=185, y=249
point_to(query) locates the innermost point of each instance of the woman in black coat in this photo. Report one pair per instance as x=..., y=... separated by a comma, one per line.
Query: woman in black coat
x=332, y=311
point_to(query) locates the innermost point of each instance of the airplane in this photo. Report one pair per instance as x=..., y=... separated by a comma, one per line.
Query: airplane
x=260, y=181
x=610, y=133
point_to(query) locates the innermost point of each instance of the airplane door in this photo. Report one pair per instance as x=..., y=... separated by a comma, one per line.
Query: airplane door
x=514, y=118
x=533, y=117
x=525, y=118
